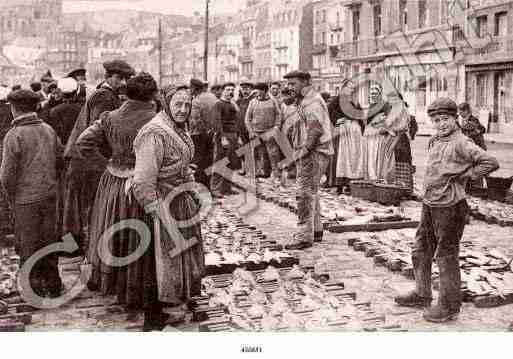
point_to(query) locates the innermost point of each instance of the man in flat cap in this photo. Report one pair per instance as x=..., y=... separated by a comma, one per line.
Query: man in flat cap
x=82, y=177
x=217, y=90
x=226, y=139
x=453, y=160
x=79, y=75
x=46, y=80
x=313, y=145
x=243, y=103
x=201, y=127
x=32, y=160
x=264, y=115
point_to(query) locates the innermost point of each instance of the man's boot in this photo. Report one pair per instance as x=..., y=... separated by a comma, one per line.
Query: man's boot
x=421, y=297
x=449, y=299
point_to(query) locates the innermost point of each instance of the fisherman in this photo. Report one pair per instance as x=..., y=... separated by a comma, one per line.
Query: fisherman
x=313, y=146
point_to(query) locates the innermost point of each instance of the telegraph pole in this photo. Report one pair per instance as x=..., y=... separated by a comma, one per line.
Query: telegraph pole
x=205, y=53
x=160, y=52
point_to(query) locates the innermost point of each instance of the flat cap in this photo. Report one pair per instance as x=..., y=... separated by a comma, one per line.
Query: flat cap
x=246, y=83
x=303, y=75
x=119, y=67
x=262, y=86
x=23, y=97
x=197, y=83
x=228, y=84
x=443, y=105
x=77, y=72
x=215, y=87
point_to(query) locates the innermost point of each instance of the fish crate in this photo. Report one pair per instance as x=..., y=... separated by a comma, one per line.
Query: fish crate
x=363, y=189
x=498, y=188
x=389, y=194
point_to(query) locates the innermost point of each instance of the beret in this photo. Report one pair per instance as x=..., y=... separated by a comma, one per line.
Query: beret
x=298, y=74
x=276, y=83
x=23, y=96
x=262, y=86
x=442, y=105
x=67, y=85
x=226, y=84
x=77, y=72
x=197, y=83
x=119, y=67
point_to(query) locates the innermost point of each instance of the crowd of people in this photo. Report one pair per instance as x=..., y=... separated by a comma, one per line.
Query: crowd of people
x=79, y=163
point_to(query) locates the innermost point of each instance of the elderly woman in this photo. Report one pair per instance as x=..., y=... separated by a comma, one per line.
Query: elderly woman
x=386, y=122
x=348, y=119
x=164, y=153
x=114, y=133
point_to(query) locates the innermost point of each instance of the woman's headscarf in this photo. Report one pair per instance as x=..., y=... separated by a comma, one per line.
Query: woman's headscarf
x=167, y=93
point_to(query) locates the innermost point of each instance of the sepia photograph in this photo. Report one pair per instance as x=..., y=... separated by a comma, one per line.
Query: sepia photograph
x=257, y=171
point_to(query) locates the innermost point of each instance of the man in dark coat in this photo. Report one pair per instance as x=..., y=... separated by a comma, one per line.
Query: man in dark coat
x=82, y=177
x=243, y=103
x=470, y=125
x=79, y=75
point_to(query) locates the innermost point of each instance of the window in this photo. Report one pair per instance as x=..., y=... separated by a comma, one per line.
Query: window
x=323, y=16
x=37, y=14
x=500, y=24
x=481, y=90
x=481, y=24
x=403, y=14
x=332, y=39
x=457, y=33
x=377, y=19
x=422, y=13
x=356, y=25
x=323, y=38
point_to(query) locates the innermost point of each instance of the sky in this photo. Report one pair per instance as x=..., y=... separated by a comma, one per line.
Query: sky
x=180, y=7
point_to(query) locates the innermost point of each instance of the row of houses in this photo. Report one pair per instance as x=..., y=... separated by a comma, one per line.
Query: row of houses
x=425, y=48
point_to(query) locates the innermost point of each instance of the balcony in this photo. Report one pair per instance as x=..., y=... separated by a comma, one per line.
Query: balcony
x=493, y=49
x=280, y=46
x=335, y=27
x=245, y=59
x=232, y=68
x=319, y=49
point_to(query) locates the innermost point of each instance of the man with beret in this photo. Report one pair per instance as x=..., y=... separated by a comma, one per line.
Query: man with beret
x=453, y=160
x=313, y=146
x=263, y=116
x=226, y=139
x=32, y=160
x=201, y=127
x=82, y=176
x=79, y=75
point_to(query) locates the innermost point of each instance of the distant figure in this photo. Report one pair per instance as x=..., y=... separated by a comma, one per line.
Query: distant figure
x=470, y=125
x=16, y=88
x=79, y=75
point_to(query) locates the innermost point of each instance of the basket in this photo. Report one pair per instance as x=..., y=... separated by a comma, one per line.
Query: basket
x=498, y=187
x=364, y=190
x=389, y=194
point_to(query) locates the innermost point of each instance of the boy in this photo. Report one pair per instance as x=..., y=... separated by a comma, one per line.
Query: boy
x=32, y=158
x=453, y=160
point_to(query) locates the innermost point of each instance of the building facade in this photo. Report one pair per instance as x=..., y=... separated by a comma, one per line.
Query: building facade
x=489, y=68
x=292, y=36
x=328, y=36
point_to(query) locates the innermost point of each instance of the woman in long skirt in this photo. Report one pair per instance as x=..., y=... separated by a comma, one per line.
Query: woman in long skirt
x=349, y=124
x=387, y=122
x=135, y=283
x=164, y=153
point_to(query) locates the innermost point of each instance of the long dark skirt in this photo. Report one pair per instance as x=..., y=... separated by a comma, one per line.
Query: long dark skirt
x=136, y=284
